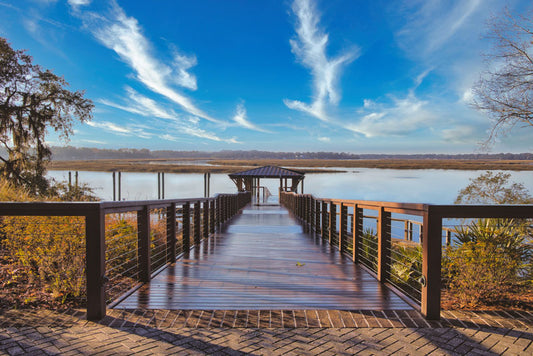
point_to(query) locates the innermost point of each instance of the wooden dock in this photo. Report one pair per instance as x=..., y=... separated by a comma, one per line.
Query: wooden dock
x=263, y=260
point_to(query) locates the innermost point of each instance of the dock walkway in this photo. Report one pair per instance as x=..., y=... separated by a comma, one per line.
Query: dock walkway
x=262, y=260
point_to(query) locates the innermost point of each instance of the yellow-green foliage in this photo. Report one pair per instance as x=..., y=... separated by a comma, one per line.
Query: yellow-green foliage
x=490, y=260
x=121, y=244
x=50, y=250
x=8, y=192
x=406, y=267
x=480, y=273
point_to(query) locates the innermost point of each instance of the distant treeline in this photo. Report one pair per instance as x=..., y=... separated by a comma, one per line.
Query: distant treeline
x=81, y=153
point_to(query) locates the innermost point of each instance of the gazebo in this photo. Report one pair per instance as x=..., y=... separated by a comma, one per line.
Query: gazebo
x=250, y=180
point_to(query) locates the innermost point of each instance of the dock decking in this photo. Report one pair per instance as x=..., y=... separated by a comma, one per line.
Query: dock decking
x=263, y=260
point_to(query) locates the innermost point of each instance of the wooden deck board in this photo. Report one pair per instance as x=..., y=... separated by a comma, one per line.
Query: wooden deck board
x=263, y=260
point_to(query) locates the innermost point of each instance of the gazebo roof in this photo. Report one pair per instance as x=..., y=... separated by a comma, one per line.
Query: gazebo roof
x=268, y=172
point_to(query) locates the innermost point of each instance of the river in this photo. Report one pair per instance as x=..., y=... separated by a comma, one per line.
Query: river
x=414, y=186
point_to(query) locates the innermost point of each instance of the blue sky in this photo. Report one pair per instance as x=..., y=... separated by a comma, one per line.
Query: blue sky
x=282, y=75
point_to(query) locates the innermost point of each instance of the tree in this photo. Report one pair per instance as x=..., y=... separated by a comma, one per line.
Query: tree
x=32, y=101
x=505, y=90
x=491, y=188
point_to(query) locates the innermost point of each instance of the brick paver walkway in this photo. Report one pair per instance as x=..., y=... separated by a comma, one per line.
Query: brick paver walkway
x=266, y=333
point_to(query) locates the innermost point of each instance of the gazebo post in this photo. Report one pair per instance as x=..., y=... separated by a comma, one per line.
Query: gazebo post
x=251, y=179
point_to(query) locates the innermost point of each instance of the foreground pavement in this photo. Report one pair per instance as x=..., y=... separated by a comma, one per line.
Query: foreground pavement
x=230, y=332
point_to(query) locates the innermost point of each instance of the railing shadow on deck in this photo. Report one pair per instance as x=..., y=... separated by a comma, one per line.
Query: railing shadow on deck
x=128, y=242
x=380, y=236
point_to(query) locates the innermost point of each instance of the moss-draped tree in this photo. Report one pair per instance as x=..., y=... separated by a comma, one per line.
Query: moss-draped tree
x=32, y=101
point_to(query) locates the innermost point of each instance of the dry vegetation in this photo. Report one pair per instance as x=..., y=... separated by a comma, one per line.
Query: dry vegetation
x=518, y=165
x=167, y=165
x=305, y=165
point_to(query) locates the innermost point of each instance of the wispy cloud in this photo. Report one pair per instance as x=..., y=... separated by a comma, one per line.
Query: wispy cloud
x=141, y=105
x=76, y=3
x=96, y=142
x=242, y=120
x=431, y=24
x=129, y=130
x=399, y=118
x=461, y=134
x=310, y=49
x=201, y=133
x=124, y=35
x=445, y=35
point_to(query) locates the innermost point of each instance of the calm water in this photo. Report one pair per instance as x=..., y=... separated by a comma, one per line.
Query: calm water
x=414, y=186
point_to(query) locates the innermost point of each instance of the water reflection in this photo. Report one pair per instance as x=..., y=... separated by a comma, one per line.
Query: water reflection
x=416, y=186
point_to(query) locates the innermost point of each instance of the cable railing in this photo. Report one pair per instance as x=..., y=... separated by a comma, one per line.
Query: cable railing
x=110, y=248
x=401, y=244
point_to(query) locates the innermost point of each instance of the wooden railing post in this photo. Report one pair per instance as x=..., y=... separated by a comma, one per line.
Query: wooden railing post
x=325, y=222
x=343, y=227
x=206, y=218
x=171, y=233
x=143, y=244
x=223, y=209
x=384, y=245
x=197, y=223
x=186, y=232
x=227, y=207
x=212, y=221
x=332, y=221
x=317, y=216
x=218, y=211
x=95, y=259
x=431, y=264
x=302, y=207
x=309, y=204
x=357, y=231
x=310, y=208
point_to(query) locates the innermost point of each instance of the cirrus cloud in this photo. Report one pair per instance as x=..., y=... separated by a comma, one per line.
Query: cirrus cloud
x=124, y=36
x=310, y=49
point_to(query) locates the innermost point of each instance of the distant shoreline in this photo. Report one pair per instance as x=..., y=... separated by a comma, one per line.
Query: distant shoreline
x=304, y=165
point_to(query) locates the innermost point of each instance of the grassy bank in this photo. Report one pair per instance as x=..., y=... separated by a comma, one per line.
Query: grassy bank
x=306, y=165
x=160, y=165
x=514, y=165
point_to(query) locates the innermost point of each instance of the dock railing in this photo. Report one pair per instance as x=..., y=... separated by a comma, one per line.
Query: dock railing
x=381, y=237
x=123, y=244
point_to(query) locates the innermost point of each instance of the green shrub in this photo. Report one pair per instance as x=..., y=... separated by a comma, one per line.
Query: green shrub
x=480, y=273
x=490, y=259
x=406, y=268
x=369, y=249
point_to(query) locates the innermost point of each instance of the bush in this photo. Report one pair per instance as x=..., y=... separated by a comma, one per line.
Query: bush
x=50, y=251
x=369, y=249
x=492, y=257
x=46, y=253
x=406, y=268
x=480, y=273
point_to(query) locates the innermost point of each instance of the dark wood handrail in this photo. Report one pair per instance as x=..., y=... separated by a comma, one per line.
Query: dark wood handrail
x=216, y=211
x=316, y=215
